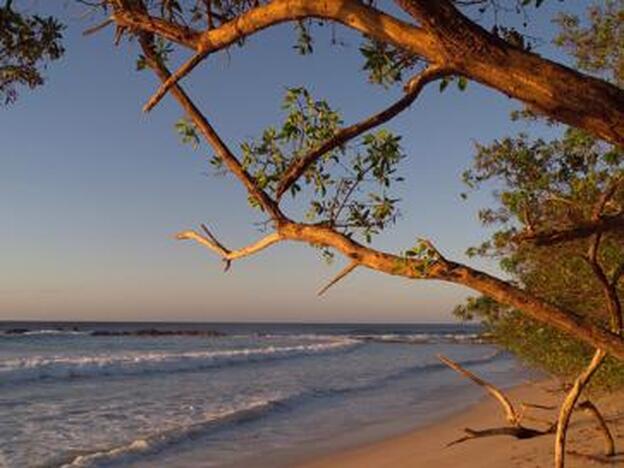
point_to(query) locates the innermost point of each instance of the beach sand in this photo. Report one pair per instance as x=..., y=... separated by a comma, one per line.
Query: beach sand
x=426, y=447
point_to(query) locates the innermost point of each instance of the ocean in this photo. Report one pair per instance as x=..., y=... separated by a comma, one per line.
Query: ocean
x=218, y=394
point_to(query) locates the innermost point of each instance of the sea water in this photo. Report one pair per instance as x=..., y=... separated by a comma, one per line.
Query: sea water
x=100, y=394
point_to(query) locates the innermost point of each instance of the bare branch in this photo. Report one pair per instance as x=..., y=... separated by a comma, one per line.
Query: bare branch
x=213, y=244
x=344, y=272
x=413, y=88
x=510, y=413
x=519, y=432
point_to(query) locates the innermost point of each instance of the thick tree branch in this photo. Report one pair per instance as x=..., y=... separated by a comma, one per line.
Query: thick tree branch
x=352, y=13
x=552, y=89
x=445, y=270
x=413, y=89
x=446, y=37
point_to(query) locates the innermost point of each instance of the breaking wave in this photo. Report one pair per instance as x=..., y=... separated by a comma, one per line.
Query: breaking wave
x=60, y=367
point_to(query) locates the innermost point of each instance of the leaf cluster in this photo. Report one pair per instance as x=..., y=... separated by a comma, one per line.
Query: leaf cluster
x=348, y=188
x=27, y=44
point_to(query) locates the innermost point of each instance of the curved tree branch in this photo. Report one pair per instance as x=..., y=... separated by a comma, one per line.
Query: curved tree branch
x=511, y=414
x=445, y=37
x=213, y=244
x=413, y=89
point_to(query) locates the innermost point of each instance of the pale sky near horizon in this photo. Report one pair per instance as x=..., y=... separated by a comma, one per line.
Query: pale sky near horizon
x=92, y=191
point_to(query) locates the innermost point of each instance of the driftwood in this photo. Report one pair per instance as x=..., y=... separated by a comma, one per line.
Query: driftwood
x=519, y=431
x=516, y=429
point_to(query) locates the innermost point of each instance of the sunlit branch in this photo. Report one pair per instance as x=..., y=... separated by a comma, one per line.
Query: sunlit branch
x=172, y=80
x=570, y=401
x=213, y=244
x=352, y=13
x=510, y=413
x=344, y=272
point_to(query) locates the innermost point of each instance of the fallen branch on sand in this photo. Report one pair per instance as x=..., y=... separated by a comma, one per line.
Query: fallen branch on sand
x=518, y=430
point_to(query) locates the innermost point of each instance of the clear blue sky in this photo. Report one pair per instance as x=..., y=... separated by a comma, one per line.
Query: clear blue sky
x=92, y=191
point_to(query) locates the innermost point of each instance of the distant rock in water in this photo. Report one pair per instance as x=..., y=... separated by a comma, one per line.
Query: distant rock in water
x=153, y=332
x=16, y=331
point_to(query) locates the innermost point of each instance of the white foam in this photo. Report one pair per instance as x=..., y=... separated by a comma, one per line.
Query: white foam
x=152, y=442
x=60, y=366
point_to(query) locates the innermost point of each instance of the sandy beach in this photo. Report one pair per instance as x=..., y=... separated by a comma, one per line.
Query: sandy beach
x=426, y=447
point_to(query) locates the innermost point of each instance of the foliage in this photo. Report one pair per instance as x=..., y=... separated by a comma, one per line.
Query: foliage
x=539, y=345
x=27, y=43
x=596, y=46
x=541, y=185
x=350, y=187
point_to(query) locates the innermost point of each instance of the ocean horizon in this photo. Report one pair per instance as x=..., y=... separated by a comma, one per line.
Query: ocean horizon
x=226, y=394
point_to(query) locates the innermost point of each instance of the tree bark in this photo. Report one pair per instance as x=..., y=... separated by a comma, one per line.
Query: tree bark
x=550, y=88
x=444, y=37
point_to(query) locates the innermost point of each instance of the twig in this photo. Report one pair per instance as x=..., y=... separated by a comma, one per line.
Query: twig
x=98, y=27
x=344, y=272
x=166, y=85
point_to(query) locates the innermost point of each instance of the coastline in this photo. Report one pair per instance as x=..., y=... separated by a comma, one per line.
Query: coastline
x=426, y=446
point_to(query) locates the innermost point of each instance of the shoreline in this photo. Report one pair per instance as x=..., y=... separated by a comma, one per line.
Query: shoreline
x=425, y=446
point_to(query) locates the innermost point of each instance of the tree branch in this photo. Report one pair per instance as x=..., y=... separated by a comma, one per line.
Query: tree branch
x=211, y=136
x=172, y=80
x=213, y=244
x=581, y=231
x=510, y=413
x=351, y=13
x=344, y=272
x=446, y=270
x=413, y=88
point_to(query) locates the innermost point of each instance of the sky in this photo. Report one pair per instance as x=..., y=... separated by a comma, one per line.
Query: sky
x=92, y=191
